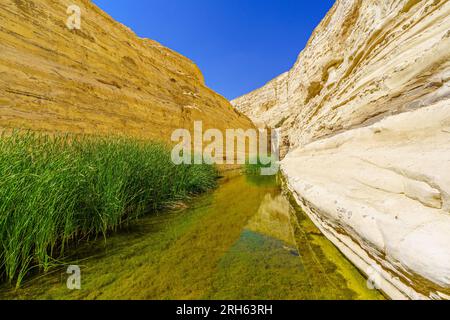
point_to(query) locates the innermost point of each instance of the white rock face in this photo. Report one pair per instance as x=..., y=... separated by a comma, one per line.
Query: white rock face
x=365, y=114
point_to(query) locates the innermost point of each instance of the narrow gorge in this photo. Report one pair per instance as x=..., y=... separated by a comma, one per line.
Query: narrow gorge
x=365, y=121
x=360, y=209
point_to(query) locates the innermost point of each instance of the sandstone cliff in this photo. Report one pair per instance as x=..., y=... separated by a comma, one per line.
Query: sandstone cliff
x=365, y=116
x=101, y=79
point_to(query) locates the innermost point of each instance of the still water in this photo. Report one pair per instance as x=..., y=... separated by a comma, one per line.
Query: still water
x=242, y=241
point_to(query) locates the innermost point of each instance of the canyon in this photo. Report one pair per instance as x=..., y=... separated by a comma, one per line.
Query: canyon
x=365, y=121
x=364, y=116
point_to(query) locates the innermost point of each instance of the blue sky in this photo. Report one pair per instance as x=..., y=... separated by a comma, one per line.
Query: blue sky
x=238, y=44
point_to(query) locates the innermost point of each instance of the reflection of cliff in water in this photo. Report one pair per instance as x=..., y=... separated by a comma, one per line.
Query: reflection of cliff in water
x=272, y=219
x=240, y=241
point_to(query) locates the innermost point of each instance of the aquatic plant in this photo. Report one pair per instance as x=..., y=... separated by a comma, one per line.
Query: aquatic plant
x=253, y=166
x=54, y=190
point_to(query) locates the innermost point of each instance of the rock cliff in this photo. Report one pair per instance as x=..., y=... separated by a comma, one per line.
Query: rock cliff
x=100, y=79
x=365, y=117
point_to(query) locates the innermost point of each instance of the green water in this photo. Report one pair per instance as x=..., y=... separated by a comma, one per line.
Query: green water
x=242, y=241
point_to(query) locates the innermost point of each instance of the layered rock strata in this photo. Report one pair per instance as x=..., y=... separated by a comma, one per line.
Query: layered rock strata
x=99, y=79
x=365, y=116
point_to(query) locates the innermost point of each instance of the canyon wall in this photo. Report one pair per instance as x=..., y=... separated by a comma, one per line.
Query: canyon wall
x=365, y=121
x=100, y=79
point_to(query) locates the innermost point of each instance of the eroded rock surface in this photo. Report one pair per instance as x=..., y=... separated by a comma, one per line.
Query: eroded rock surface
x=101, y=79
x=365, y=115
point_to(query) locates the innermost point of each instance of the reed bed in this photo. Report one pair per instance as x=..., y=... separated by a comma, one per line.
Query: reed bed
x=54, y=190
x=253, y=166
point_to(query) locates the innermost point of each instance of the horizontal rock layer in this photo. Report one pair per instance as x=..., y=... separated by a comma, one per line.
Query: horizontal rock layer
x=101, y=79
x=365, y=119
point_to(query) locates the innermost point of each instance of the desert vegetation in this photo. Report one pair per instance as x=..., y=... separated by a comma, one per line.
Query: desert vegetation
x=54, y=190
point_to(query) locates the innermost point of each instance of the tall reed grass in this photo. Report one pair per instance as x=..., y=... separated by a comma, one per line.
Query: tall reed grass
x=253, y=166
x=57, y=189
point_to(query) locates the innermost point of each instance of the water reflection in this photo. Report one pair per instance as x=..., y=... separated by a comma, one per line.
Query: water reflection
x=264, y=262
x=273, y=219
x=282, y=255
x=242, y=241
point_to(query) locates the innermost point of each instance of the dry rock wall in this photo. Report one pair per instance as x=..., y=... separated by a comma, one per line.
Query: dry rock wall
x=365, y=117
x=99, y=79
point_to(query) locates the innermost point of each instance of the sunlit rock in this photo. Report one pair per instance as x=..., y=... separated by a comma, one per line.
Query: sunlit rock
x=98, y=79
x=365, y=116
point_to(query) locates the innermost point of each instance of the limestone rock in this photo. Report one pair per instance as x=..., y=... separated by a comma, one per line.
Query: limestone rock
x=365, y=118
x=101, y=79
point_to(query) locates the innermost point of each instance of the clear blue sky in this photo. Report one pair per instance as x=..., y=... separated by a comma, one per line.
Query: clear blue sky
x=238, y=44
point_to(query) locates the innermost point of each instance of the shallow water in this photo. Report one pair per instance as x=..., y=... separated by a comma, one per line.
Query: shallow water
x=242, y=241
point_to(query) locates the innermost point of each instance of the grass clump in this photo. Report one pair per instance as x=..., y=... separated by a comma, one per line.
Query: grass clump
x=253, y=167
x=253, y=170
x=57, y=189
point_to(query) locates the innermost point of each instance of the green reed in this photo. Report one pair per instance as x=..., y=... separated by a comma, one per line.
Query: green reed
x=54, y=190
